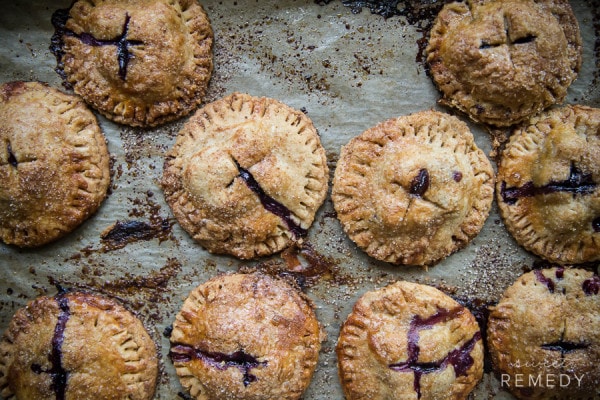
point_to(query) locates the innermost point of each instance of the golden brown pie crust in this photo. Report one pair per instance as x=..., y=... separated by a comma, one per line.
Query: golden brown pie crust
x=139, y=62
x=501, y=62
x=245, y=336
x=414, y=189
x=225, y=155
x=544, y=335
x=409, y=341
x=77, y=346
x=547, y=189
x=54, y=163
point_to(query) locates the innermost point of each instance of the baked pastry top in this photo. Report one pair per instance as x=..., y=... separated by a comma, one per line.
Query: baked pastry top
x=548, y=185
x=501, y=62
x=138, y=62
x=245, y=336
x=246, y=176
x=77, y=345
x=544, y=335
x=54, y=163
x=414, y=189
x=409, y=341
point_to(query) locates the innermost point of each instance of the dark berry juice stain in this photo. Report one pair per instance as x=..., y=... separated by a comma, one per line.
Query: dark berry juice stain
x=459, y=358
x=457, y=176
x=591, y=286
x=57, y=372
x=270, y=204
x=549, y=283
x=596, y=224
x=124, y=232
x=565, y=347
x=221, y=361
x=121, y=43
x=578, y=183
x=12, y=160
x=420, y=183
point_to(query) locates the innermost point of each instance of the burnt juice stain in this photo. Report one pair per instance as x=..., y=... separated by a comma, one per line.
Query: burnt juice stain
x=549, y=283
x=270, y=204
x=122, y=44
x=459, y=358
x=420, y=183
x=578, y=182
x=221, y=361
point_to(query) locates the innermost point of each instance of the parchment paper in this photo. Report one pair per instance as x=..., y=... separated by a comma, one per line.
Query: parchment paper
x=348, y=72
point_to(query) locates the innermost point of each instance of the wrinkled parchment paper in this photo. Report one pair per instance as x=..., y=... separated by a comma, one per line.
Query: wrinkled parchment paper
x=347, y=71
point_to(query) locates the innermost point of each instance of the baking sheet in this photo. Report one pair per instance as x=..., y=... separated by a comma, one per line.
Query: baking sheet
x=347, y=71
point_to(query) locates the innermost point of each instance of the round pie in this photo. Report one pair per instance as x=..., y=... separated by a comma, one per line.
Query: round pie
x=246, y=176
x=245, y=337
x=544, y=335
x=501, y=62
x=548, y=185
x=77, y=345
x=409, y=341
x=414, y=189
x=54, y=163
x=138, y=62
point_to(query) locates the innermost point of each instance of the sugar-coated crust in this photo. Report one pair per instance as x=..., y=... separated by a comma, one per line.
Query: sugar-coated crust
x=105, y=352
x=252, y=317
x=376, y=173
x=384, y=354
x=54, y=163
x=169, y=66
x=277, y=145
x=545, y=331
x=501, y=62
x=557, y=155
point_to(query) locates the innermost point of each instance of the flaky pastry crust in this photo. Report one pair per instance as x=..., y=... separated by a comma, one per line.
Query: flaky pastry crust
x=413, y=189
x=246, y=176
x=54, y=163
x=245, y=337
x=77, y=346
x=409, y=341
x=138, y=62
x=544, y=335
x=501, y=62
x=548, y=185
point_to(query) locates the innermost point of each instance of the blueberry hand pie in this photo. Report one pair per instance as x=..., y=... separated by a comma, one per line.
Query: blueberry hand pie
x=409, y=341
x=502, y=61
x=54, y=163
x=245, y=337
x=138, y=62
x=246, y=176
x=414, y=189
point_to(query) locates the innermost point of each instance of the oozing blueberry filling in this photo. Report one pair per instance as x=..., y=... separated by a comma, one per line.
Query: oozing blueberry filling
x=269, y=203
x=12, y=160
x=577, y=183
x=560, y=273
x=564, y=347
x=122, y=44
x=457, y=176
x=221, y=361
x=543, y=280
x=596, y=224
x=459, y=358
x=591, y=286
x=57, y=372
x=420, y=183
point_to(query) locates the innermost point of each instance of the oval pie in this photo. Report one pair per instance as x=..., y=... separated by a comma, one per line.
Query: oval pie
x=77, y=345
x=409, y=341
x=501, y=62
x=138, y=62
x=246, y=176
x=544, y=335
x=54, y=163
x=414, y=189
x=548, y=185
x=245, y=337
